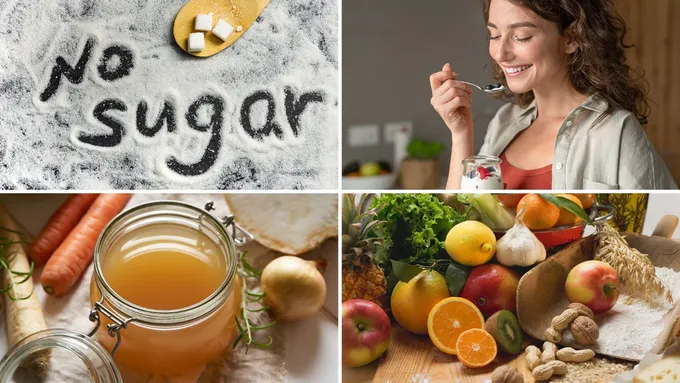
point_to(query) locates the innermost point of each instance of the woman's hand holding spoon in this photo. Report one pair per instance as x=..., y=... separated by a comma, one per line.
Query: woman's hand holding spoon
x=451, y=99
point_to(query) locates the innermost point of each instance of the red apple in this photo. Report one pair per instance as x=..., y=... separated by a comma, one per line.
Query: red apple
x=595, y=284
x=491, y=288
x=365, y=332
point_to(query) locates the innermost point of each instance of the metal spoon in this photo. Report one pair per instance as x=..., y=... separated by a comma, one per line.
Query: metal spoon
x=491, y=89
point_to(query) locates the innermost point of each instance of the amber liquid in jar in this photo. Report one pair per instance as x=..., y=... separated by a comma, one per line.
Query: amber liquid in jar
x=165, y=266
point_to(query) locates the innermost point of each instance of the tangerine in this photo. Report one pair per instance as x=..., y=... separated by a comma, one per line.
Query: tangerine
x=587, y=200
x=476, y=348
x=540, y=213
x=566, y=217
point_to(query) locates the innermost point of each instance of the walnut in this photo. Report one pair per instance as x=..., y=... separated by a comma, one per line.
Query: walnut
x=584, y=330
x=506, y=374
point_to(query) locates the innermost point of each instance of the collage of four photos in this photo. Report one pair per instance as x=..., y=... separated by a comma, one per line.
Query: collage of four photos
x=381, y=191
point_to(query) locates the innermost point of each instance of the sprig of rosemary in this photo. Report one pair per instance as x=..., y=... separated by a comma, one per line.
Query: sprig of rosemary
x=6, y=259
x=243, y=323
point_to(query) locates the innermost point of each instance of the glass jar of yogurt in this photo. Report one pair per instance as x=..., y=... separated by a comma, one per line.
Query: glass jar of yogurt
x=482, y=173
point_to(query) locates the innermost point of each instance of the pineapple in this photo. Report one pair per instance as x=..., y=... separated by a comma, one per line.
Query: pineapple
x=362, y=278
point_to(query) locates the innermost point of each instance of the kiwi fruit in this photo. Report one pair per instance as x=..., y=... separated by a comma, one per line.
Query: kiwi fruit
x=505, y=329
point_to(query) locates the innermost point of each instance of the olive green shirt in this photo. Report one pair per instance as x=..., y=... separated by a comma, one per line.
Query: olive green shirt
x=593, y=150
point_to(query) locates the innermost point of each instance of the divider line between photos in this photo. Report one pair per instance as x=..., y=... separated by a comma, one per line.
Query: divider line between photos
x=339, y=96
x=571, y=191
x=339, y=191
x=173, y=191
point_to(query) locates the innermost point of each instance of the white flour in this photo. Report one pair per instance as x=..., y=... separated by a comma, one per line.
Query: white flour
x=631, y=330
x=52, y=139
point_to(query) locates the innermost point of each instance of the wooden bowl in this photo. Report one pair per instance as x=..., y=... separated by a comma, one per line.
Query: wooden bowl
x=561, y=235
x=541, y=295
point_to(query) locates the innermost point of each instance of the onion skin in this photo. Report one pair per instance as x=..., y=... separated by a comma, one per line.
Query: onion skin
x=294, y=288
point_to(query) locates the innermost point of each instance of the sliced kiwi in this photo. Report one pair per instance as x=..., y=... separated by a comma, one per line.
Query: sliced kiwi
x=505, y=328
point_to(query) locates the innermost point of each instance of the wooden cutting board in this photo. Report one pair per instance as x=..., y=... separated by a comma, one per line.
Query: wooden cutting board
x=414, y=359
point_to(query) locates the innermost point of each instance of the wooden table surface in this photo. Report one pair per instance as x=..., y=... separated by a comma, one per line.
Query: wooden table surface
x=414, y=359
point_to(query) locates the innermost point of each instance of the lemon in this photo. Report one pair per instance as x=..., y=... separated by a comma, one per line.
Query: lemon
x=412, y=301
x=471, y=243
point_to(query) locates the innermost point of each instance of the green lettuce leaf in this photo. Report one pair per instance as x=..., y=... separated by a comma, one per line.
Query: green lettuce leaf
x=415, y=228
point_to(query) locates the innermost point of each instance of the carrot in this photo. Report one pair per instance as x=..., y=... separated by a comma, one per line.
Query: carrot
x=22, y=309
x=59, y=226
x=68, y=262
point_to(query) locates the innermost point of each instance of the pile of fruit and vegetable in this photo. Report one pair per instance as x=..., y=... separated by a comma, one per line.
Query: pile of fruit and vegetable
x=448, y=267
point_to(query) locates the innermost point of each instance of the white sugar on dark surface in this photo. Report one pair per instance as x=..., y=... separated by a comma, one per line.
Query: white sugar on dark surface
x=289, y=55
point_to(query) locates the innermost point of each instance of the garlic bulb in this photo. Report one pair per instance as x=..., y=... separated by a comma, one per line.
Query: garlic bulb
x=519, y=246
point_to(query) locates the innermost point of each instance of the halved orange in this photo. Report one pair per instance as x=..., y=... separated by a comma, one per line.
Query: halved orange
x=449, y=318
x=476, y=348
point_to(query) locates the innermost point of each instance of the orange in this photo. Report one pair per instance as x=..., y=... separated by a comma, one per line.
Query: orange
x=476, y=348
x=540, y=213
x=450, y=318
x=412, y=301
x=567, y=218
x=586, y=199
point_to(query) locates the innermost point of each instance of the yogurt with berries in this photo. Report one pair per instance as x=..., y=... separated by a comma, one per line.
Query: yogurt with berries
x=482, y=173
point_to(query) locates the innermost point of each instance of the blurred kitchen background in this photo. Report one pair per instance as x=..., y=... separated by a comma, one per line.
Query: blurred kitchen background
x=390, y=48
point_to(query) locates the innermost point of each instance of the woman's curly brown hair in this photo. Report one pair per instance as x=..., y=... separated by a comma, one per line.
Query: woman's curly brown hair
x=599, y=62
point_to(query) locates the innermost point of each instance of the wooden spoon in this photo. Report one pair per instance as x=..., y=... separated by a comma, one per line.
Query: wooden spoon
x=238, y=13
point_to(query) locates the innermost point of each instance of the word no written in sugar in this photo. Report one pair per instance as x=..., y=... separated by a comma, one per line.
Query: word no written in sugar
x=117, y=62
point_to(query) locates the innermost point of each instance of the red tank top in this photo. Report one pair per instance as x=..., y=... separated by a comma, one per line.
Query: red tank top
x=520, y=179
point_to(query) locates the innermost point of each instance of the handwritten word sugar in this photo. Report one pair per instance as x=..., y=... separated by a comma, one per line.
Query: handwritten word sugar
x=212, y=118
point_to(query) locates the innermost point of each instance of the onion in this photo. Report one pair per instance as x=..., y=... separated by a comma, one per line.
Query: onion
x=294, y=287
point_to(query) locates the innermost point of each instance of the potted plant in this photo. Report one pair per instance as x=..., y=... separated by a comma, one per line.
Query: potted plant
x=420, y=170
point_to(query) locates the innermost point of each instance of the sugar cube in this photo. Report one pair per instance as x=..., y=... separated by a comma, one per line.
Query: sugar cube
x=196, y=42
x=223, y=30
x=203, y=22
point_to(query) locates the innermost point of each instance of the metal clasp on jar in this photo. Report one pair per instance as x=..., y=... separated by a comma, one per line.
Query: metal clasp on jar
x=229, y=223
x=114, y=328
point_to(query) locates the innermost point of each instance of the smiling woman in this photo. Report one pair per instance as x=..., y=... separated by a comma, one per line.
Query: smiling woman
x=577, y=109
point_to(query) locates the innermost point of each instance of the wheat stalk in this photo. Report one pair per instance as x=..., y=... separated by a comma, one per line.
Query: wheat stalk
x=636, y=271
